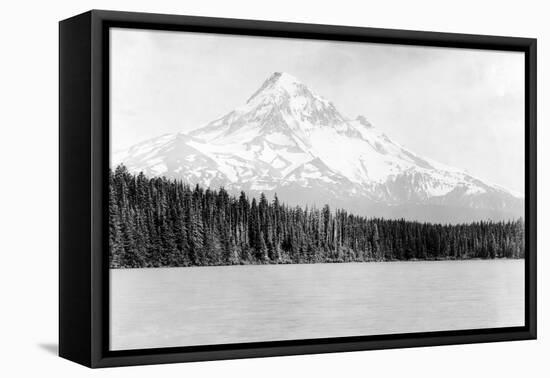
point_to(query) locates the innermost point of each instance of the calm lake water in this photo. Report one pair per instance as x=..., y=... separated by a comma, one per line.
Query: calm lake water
x=165, y=307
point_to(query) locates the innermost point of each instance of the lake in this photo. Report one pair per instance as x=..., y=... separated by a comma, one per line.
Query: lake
x=166, y=307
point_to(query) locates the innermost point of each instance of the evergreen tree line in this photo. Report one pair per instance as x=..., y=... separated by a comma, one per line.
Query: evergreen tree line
x=157, y=222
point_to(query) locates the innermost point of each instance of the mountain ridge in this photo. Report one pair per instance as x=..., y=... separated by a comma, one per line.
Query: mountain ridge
x=288, y=140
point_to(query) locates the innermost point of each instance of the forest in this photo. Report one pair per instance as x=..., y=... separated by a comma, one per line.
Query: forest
x=159, y=222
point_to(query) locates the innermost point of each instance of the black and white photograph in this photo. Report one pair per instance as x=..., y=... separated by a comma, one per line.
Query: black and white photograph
x=271, y=189
x=243, y=189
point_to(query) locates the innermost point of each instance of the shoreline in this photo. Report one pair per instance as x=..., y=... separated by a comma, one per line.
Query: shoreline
x=327, y=263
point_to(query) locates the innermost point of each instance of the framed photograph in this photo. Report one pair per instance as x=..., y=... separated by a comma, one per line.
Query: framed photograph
x=235, y=188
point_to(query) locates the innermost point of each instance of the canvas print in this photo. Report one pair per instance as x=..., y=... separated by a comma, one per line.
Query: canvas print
x=267, y=189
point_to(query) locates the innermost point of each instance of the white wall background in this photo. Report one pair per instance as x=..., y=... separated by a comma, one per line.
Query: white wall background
x=29, y=187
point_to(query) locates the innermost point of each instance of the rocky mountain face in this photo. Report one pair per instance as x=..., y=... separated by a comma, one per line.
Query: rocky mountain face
x=288, y=140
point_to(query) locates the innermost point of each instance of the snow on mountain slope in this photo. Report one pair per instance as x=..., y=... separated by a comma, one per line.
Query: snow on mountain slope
x=288, y=140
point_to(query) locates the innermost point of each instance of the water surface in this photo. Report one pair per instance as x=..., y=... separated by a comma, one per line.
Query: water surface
x=165, y=307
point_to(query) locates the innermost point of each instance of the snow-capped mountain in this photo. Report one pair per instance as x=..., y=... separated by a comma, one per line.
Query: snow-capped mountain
x=290, y=141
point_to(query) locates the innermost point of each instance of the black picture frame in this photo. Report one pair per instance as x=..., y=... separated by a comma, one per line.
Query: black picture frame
x=83, y=167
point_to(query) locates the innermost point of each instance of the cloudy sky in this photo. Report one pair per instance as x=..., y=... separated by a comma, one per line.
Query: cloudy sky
x=464, y=108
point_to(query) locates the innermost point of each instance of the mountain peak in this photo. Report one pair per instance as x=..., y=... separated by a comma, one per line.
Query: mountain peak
x=280, y=82
x=283, y=79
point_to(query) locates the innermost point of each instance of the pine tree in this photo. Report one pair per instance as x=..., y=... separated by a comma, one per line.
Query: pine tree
x=376, y=242
x=115, y=235
x=160, y=222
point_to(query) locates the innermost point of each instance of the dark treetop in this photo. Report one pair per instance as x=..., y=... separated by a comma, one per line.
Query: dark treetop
x=157, y=222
